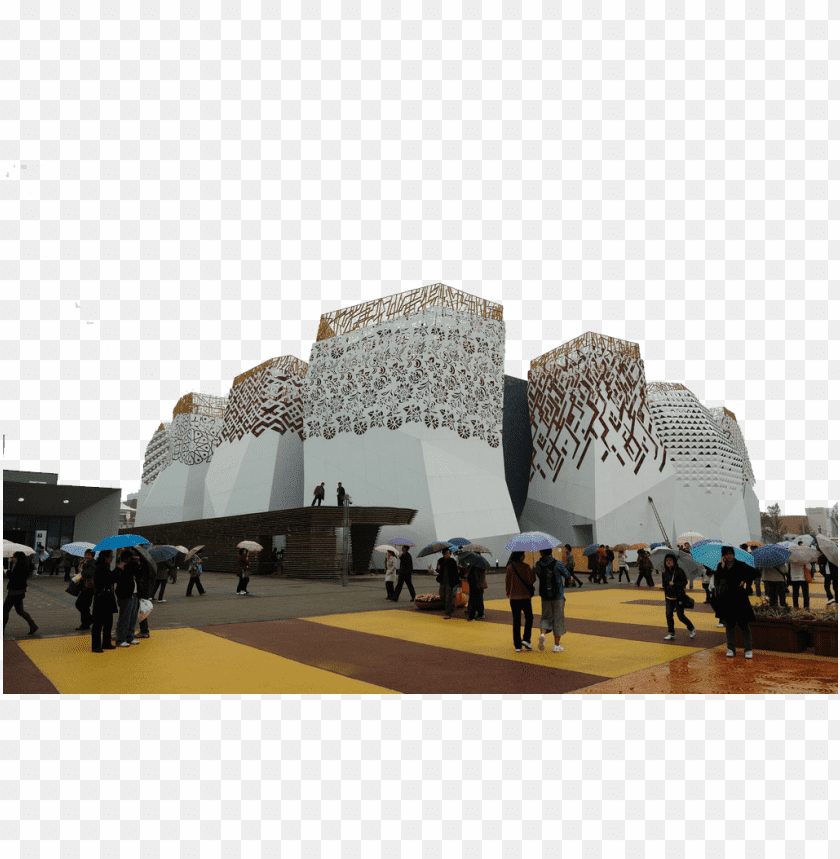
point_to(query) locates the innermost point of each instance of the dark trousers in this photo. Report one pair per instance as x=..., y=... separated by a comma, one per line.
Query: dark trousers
x=195, y=581
x=389, y=590
x=670, y=607
x=601, y=574
x=646, y=576
x=127, y=618
x=828, y=582
x=17, y=604
x=83, y=602
x=730, y=634
x=160, y=584
x=314, y=501
x=242, y=584
x=67, y=571
x=403, y=579
x=757, y=585
x=705, y=586
x=626, y=573
x=806, y=597
x=475, y=602
x=447, y=594
x=575, y=579
x=517, y=608
x=775, y=592
x=100, y=631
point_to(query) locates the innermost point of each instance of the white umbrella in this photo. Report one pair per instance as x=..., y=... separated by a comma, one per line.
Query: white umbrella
x=250, y=545
x=828, y=546
x=182, y=549
x=193, y=551
x=690, y=537
x=10, y=548
x=386, y=549
x=802, y=554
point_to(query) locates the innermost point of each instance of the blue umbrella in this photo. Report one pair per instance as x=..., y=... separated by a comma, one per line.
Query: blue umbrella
x=705, y=543
x=460, y=541
x=531, y=541
x=709, y=554
x=770, y=556
x=400, y=541
x=163, y=553
x=590, y=550
x=120, y=541
x=657, y=545
x=77, y=549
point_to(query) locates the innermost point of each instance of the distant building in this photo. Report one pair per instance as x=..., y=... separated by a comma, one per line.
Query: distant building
x=36, y=508
x=821, y=520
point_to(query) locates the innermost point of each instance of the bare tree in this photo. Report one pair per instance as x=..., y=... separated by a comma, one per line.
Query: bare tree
x=772, y=528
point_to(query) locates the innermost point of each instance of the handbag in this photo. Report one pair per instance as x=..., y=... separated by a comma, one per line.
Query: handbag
x=686, y=601
x=74, y=588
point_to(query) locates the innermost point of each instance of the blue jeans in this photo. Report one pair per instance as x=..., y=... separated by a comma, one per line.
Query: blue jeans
x=127, y=621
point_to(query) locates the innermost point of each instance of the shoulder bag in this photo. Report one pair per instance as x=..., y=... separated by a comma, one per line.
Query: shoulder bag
x=529, y=587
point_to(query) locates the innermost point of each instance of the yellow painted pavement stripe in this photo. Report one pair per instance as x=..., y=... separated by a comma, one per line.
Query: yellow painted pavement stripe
x=591, y=654
x=182, y=661
x=603, y=607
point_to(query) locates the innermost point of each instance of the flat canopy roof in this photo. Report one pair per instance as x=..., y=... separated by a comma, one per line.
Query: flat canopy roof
x=48, y=500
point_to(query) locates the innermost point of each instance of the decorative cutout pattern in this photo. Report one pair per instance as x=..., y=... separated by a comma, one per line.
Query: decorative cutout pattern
x=404, y=304
x=266, y=397
x=699, y=449
x=158, y=454
x=592, y=392
x=729, y=424
x=433, y=368
x=194, y=438
x=194, y=403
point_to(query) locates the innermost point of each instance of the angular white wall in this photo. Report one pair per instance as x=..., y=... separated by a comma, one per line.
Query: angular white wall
x=596, y=455
x=407, y=413
x=258, y=464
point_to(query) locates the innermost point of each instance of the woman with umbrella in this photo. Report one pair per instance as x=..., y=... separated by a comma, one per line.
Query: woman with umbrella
x=18, y=575
x=730, y=600
x=771, y=562
x=104, y=603
x=391, y=566
x=242, y=570
x=674, y=581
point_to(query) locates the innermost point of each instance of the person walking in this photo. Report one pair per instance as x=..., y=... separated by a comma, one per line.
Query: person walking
x=622, y=565
x=552, y=597
x=242, y=571
x=645, y=569
x=731, y=602
x=146, y=584
x=195, y=571
x=799, y=581
x=161, y=578
x=318, y=495
x=519, y=588
x=67, y=563
x=774, y=585
x=104, y=603
x=125, y=591
x=610, y=561
x=449, y=578
x=340, y=493
x=674, y=581
x=406, y=569
x=19, y=574
x=601, y=556
x=477, y=580
x=831, y=581
x=85, y=598
x=391, y=565
x=569, y=563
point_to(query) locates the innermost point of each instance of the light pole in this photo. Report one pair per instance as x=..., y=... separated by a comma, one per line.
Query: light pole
x=345, y=561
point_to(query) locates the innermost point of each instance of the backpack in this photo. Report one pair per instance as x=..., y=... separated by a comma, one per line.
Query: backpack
x=550, y=581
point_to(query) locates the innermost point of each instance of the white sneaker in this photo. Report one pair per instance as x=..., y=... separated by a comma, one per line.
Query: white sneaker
x=161, y=600
x=692, y=633
x=830, y=602
x=720, y=625
x=134, y=641
x=730, y=652
x=526, y=645
x=670, y=636
x=518, y=649
x=542, y=641
x=748, y=654
x=558, y=648
x=124, y=644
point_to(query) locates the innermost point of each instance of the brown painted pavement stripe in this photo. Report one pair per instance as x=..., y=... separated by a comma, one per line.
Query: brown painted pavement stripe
x=611, y=629
x=406, y=667
x=699, y=605
x=20, y=674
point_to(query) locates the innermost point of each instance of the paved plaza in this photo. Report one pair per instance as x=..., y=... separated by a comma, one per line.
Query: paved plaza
x=297, y=636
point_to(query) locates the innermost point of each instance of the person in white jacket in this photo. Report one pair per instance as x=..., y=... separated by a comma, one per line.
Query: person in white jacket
x=391, y=567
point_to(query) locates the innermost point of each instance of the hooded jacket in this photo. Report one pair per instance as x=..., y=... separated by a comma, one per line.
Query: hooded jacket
x=674, y=581
x=545, y=568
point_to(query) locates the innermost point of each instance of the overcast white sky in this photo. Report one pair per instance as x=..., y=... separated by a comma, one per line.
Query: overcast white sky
x=751, y=355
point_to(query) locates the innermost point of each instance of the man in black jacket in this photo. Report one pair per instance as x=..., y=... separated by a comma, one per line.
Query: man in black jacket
x=449, y=578
x=340, y=493
x=146, y=584
x=18, y=575
x=404, y=576
x=85, y=598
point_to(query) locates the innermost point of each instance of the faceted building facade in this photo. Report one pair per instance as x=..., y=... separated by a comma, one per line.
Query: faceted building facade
x=596, y=455
x=177, y=491
x=258, y=463
x=403, y=404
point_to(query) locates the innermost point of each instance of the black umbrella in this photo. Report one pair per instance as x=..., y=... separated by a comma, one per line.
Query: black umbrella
x=470, y=559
